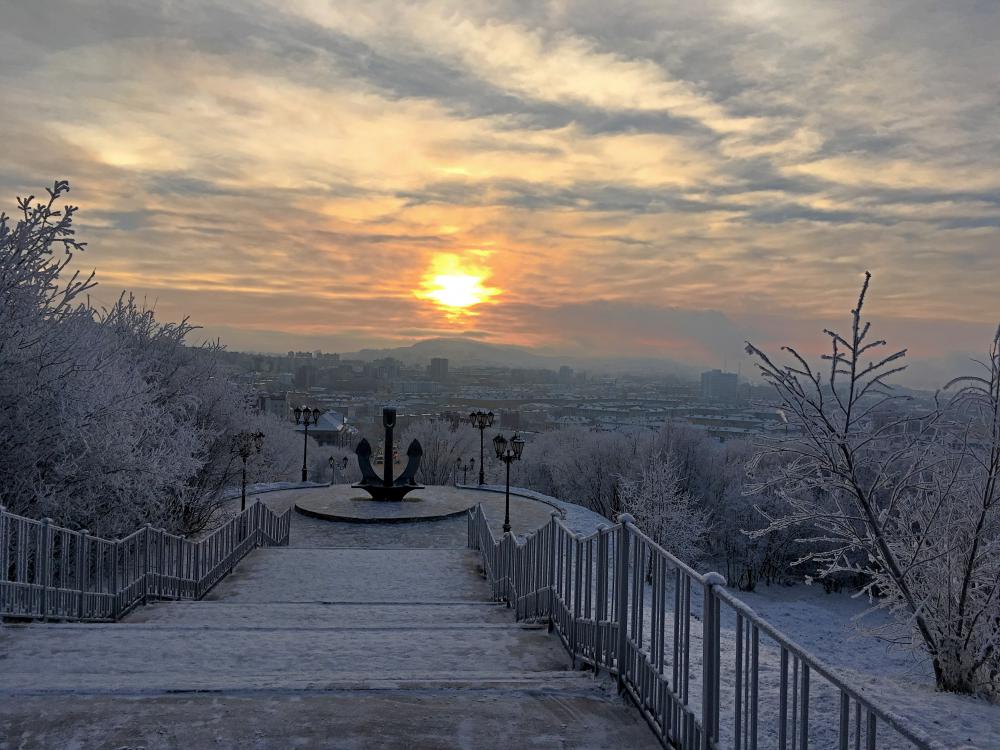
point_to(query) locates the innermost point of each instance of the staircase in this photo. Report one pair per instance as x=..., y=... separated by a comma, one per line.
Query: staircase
x=311, y=647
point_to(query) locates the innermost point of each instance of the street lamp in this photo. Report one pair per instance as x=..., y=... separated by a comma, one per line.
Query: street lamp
x=481, y=420
x=305, y=417
x=333, y=469
x=508, y=452
x=464, y=468
x=245, y=444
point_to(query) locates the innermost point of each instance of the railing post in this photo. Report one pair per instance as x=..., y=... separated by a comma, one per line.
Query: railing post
x=621, y=573
x=81, y=568
x=42, y=570
x=116, y=594
x=710, y=661
x=146, y=564
x=4, y=557
x=550, y=573
x=181, y=546
x=161, y=564
x=507, y=565
x=197, y=570
x=3, y=543
x=601, y=600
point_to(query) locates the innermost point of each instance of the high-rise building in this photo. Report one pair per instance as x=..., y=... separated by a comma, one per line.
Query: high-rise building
x=305, y=376
x=717, y=385
x=438, y=369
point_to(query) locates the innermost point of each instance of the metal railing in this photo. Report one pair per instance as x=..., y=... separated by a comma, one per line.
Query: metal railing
x=705, y=670
x=53, y=573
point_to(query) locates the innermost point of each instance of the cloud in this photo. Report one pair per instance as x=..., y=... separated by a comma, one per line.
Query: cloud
x=654, y=178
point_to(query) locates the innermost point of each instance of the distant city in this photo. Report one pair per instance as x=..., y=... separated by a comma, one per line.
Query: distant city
x=352, y=392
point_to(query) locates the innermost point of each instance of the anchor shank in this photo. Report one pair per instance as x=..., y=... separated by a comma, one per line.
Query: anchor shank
x=387, y=458
x=388, y=421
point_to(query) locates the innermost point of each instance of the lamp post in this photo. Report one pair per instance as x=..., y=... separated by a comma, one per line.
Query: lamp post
x=305, y=417
x=333, y=469
x=246, y=444
x=481, y=420
x=464, y=468
x=508, y=452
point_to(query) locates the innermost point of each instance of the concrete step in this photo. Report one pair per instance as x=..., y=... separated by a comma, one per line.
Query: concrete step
x=283, y=574
x=227, y=613
x=177, y=657
x=391, y=719
x=308, y=681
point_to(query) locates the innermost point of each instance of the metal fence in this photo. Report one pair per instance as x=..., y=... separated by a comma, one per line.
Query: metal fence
x=50, y=572
x=705, y=670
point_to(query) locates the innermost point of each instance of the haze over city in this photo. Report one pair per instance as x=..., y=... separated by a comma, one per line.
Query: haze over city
x=665, y=182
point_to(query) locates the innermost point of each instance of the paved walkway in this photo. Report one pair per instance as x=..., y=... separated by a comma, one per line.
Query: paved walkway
x=354, y=636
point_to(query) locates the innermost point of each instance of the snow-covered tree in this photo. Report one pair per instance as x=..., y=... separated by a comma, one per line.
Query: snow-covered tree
x=108, y=419
x=902, y=498
x=961, y=586
x=584, y=466
x=663, y=509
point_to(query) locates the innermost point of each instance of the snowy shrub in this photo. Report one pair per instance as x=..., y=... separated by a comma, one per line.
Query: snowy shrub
x=907, y=501
x=108, y=419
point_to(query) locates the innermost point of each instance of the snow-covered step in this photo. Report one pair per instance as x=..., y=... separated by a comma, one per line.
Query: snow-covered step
x=139, y=684
x=164, y=656
x=388, y=720
x=320, y=646
x=305, y=614
x=287, y=574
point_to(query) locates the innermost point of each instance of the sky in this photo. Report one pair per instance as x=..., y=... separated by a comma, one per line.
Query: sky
x=657, y=179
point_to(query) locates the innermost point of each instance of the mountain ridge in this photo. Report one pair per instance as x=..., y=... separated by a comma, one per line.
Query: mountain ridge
x=463, y=352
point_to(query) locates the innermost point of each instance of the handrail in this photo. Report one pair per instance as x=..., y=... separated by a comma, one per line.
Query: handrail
x=621, y=602
x=50, y=572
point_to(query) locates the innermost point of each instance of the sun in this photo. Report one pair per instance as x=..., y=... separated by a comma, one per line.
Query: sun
x=456, y=289
x=455, y=284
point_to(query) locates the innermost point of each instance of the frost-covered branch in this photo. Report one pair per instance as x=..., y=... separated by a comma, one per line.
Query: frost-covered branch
x=906, y=499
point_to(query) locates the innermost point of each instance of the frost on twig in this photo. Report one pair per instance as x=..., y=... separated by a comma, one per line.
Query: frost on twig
x=903, y=498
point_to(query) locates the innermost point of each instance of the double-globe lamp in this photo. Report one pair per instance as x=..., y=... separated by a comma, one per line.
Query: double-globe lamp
x=305, y=417
x=481, y=420
x=508, y=452
x=245, y=444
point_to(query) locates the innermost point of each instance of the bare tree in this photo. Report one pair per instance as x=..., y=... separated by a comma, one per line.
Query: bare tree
x=880, y=491
x=443, y=444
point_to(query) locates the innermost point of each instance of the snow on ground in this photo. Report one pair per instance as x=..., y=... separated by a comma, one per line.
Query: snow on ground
x=831, y=626
x=581, y=520
x=233, y=493
x=827, y=626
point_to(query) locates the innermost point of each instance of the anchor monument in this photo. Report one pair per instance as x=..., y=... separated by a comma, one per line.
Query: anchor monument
x=385, y=488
